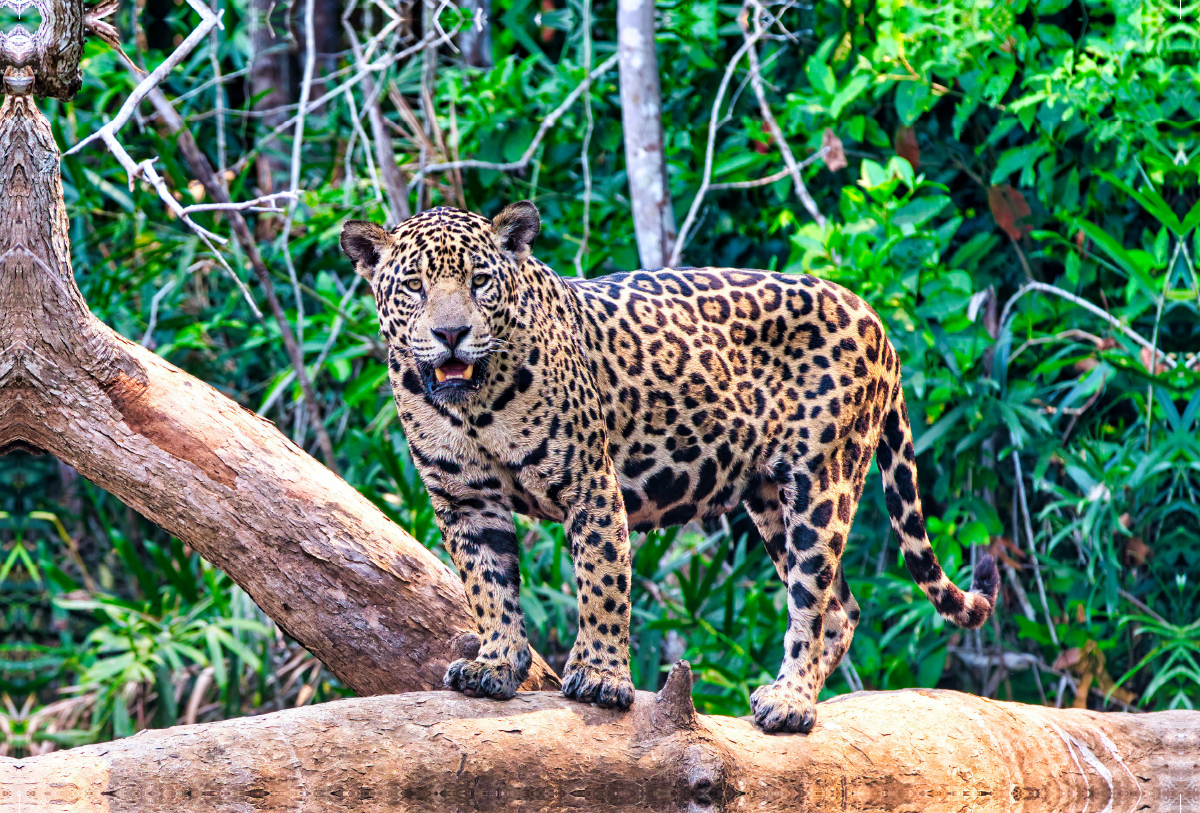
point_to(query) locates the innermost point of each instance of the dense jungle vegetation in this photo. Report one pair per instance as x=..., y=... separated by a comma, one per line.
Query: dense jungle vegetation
x=1018, y=200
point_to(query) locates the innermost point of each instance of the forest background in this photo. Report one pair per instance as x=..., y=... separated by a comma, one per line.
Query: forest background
x=1012, y=188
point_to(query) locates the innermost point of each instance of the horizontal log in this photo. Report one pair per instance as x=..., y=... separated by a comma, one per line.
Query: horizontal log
x=918, y=749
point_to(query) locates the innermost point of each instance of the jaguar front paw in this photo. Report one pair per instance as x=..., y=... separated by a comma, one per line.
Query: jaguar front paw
x=607, y=688
x=778, y=707
x=485, y=678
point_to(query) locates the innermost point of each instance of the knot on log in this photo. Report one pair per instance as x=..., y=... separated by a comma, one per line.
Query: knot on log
x=673, y=705
x=17, y=81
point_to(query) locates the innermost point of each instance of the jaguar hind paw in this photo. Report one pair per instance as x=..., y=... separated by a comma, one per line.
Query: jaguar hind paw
x=779, y=708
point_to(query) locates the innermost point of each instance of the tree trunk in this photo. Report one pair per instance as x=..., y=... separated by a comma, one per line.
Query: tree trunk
x=924, y=750
x=270, y=84
x=475, y=39
x=381, y=611
x=641, y=117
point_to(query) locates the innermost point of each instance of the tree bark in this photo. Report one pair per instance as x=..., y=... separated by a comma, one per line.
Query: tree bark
x=381, y=611
x=641, y=117
x=919, y=749
x=475, y=39
x=270, y=76
x=51, y=53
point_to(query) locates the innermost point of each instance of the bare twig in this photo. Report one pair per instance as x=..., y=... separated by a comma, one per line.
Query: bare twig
x=385, y=157
x=356, y=133
x=713, y=123
x=587, y=140
x=778, y=176
x=1083, y=303
x=548, y=122
x=373, y=67
x=255, y=205
x=1033, y=555
x=756, y=81
x=1141, y=605
x=204, y=173
x=208, y=21
x=310, y=64
x=1018, y=661
x=148, y=336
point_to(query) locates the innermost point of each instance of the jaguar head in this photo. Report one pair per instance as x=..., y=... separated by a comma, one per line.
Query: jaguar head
x=444, y=285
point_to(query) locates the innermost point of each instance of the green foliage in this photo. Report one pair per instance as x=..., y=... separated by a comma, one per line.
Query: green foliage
x=1043, y=215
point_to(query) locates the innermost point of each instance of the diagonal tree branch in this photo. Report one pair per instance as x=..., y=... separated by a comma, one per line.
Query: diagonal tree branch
x=381, y=611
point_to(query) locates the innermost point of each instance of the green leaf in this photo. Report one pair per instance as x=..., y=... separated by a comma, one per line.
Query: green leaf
x=820, y=76
x=1016, y=159
x=918, y=211
x=1153, y=203
x=857, y=84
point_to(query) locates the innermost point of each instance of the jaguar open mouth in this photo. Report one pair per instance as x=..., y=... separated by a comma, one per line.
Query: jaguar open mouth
x=455, y=380
x=454, y=369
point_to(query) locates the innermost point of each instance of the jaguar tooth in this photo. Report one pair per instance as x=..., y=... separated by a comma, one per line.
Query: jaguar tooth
x=467, y=372
x=441, y=377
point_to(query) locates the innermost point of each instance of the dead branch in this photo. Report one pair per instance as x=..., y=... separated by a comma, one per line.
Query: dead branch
x=772, y=127
x=381, y=611
x=547, y=123
x=714, y=123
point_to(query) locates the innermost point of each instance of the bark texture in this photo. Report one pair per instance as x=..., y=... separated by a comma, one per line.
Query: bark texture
x=641, y=119
x=50, y=54
x=363, y=596
x=270, y=80
x=913, y=750
x=475, y=39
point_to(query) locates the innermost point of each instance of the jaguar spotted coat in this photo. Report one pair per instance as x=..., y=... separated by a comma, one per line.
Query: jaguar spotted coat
x=640, y=401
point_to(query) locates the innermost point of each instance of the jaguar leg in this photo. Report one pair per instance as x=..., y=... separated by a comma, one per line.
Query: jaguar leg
x=597, y=669
x=483, y=545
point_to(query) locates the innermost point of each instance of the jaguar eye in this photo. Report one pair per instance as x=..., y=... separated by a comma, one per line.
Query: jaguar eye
x=413, y=285
x=479, y=280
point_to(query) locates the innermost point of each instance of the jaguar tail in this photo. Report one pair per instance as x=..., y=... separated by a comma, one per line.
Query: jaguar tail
x=897, y=464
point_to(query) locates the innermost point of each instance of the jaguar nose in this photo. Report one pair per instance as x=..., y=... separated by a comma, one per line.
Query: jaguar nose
x=451, y=336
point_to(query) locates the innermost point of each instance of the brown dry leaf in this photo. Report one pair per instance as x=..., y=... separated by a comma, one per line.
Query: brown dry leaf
x=1080, y=614
x=1085, y=685
x=1149, y=357
x=1088, y=663
x=1009, y=210
x=1082, y=244
x=1067, y=658
x=547, y=32
x=1107, y=343
x=1125, y=520
x=1137, y=552
x=906, y=146
x=1085, y=366
x=1002, y=547
x=835, y=156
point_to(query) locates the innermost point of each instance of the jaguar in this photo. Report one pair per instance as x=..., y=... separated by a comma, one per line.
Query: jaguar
x=637, y=401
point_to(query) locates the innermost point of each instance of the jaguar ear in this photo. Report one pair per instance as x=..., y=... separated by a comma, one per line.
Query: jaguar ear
x=363, y=243
x=515, y=228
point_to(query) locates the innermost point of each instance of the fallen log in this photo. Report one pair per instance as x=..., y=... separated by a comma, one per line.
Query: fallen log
x=917, y=749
